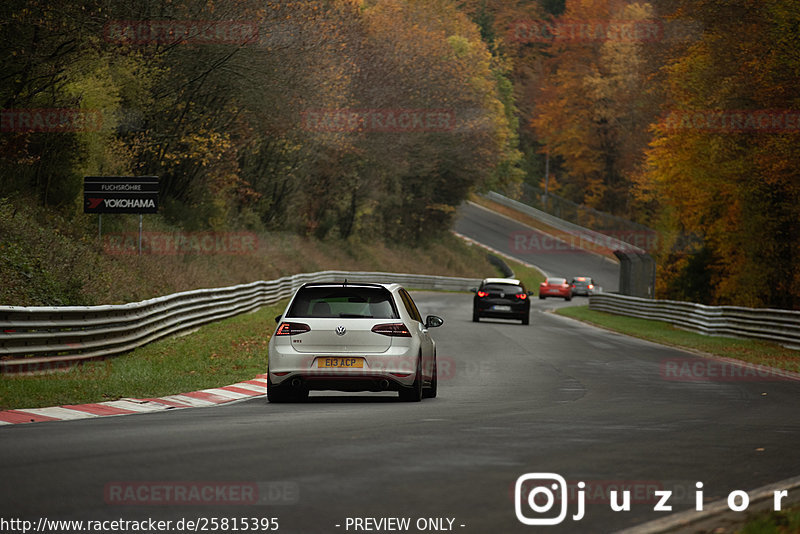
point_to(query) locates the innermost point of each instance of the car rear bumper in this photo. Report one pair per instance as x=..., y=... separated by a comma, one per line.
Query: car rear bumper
x=504, y=315
x=515, y=312
x=321, y=382
x=392, y=370
x=551, y=293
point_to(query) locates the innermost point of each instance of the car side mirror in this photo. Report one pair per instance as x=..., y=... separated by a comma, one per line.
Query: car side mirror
x=433, y=321
x=278, y=318
x=473, y=289
x=531, y=293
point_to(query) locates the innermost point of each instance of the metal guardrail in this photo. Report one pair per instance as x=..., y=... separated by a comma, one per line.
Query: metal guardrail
x=586, y=235
x=580, y=214
x=778, y=326
x=38, y=339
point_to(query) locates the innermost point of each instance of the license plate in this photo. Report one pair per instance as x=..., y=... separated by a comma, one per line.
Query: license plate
x=349, y=363
x=554, y=291
x=501, y=308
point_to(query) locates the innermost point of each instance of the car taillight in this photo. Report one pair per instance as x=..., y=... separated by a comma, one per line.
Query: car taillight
x=392, y=329
x=521, y=296
x=483, y=294
x=292, y=329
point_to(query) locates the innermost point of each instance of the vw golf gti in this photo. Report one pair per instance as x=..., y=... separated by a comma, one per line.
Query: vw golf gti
x=352, y=337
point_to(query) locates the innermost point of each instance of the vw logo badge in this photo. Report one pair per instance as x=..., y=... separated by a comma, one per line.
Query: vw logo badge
x=340, y=330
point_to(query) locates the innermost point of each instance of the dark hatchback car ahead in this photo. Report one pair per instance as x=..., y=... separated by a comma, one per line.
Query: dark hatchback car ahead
x=501, y=298
x=582, y=285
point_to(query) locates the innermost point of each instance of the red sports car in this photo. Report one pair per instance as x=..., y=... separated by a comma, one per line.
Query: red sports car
x=555, y=287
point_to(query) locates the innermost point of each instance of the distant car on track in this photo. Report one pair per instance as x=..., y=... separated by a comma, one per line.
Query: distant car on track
x=582, y=285
x=352, y=337
x=502, y=298
x=555, y=287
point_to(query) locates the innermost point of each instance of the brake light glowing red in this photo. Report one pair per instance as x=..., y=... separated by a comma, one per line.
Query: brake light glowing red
x=391, y=329
x=292, y=329
x=483, y=294
x=521, y=296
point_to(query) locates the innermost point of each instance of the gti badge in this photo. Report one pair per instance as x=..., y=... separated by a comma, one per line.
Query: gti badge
x=340, y=330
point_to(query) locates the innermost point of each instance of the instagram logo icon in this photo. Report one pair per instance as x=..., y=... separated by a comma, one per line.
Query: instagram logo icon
x=537, y=496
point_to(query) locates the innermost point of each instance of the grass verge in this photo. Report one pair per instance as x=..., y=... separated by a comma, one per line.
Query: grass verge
x=50, y=259
x=530, y=276
x=217, y=354
x=748, y=350
x=783, y=522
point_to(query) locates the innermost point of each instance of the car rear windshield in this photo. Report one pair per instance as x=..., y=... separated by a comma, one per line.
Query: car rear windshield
x=352, y=302
x=556, y=281
x=505, y=288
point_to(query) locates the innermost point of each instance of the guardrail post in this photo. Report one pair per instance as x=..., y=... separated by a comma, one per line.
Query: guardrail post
x=624, y=272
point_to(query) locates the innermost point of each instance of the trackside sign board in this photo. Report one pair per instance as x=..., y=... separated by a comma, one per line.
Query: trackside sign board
x=120, y=194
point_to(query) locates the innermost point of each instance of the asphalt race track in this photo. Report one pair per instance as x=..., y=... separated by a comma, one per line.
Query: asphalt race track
x=554, y=258
x=552, y=397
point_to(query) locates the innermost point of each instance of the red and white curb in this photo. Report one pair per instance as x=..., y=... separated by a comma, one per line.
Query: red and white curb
x=256, y=387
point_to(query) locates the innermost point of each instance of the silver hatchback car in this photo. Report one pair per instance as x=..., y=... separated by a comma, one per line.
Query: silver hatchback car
x=352, y=337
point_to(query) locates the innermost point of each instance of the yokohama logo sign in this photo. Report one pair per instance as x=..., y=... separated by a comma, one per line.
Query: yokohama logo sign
x=120, y=194
x=122, y=203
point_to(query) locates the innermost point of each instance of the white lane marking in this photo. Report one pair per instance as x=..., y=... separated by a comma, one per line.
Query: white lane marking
x=252, y=387
x=224, y=393
x=135, y=406
x=57, y=412
x=189, y=401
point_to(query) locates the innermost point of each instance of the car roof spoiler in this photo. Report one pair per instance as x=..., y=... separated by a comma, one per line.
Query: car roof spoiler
x=343, y=284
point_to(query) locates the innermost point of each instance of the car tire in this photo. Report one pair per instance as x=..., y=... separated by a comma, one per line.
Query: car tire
x=283, y=394
x=542, y=297
x=567, y=298
x=413, y=393
x=431, y=391
x=475, y=317
x=277, y=394
x=526, y=320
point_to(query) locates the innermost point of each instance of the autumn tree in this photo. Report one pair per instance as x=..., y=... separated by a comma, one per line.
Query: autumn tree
x=731, y=185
